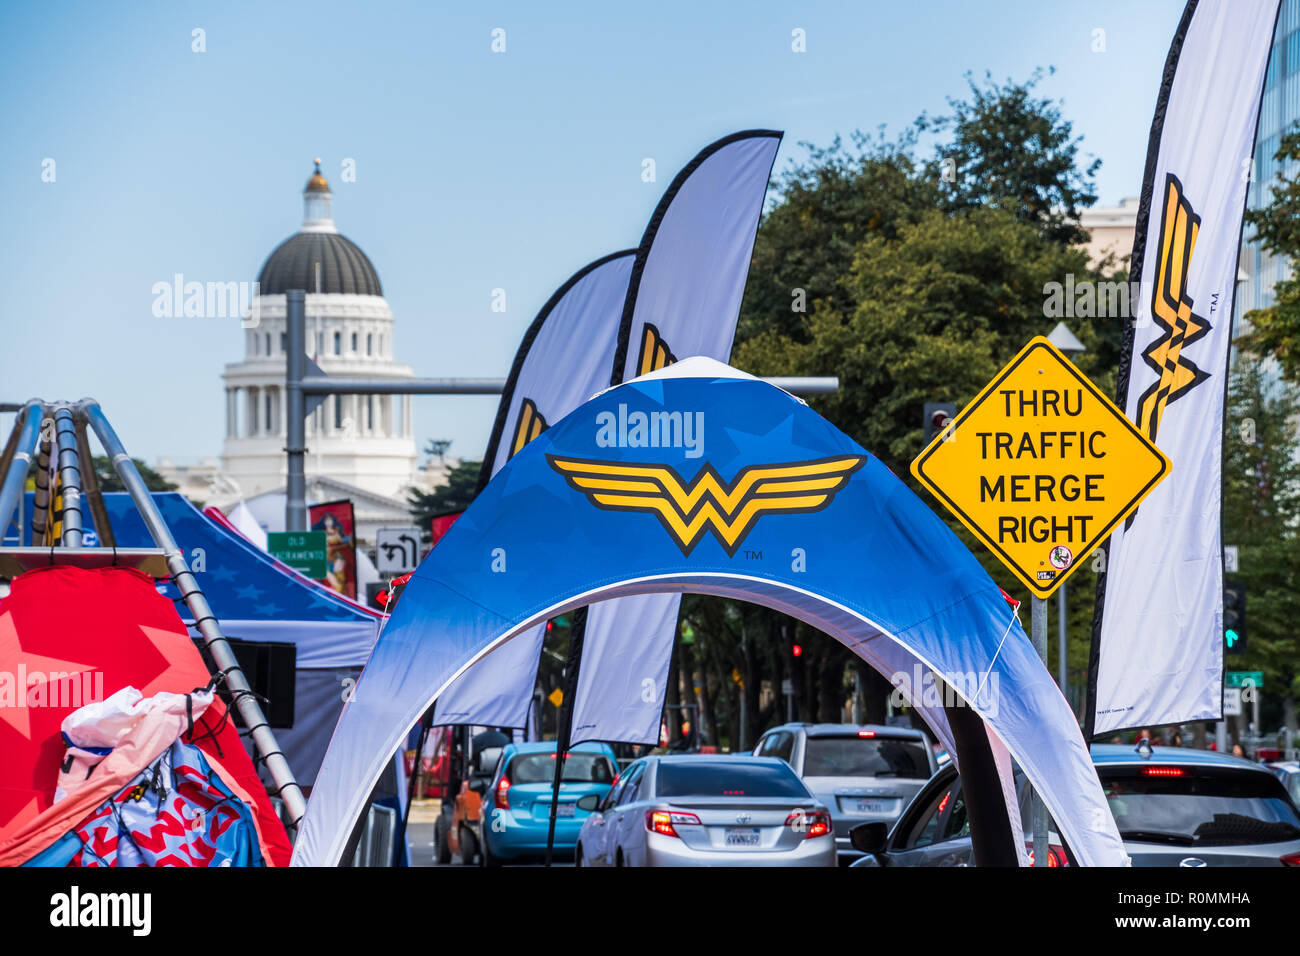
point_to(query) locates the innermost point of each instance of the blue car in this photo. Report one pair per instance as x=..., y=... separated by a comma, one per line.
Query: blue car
x=517, y=805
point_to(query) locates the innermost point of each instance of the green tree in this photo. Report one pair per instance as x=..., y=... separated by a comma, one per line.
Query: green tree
x=935, y=313
x=1012, y=150
x=828, y=203
x=109, y=481
x=1275, y=331
x=455, y=495
x=1261, y=515
x=918, y=280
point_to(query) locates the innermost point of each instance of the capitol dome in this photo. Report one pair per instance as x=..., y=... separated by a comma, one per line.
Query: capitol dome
x=318, y=259
x=344, y=268
x=361, y=447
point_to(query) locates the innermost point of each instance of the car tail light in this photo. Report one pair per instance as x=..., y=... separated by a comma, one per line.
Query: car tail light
x=1291, y=859
x=1162, y=771
x=815, y=822
x=866, y=733
x=1055, y=855
x=662, y=821
x=501, y=795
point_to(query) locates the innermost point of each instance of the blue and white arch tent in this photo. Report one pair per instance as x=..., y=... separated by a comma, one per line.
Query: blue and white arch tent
x=699, y=478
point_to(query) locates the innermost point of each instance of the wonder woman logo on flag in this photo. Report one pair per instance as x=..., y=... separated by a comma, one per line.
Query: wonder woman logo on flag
x=1171, y=307
x=655, y=353
x=707, y=503
x=528, y=426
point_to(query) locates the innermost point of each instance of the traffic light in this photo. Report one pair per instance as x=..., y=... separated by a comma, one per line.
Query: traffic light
x=1234, y=616
x=936, y=416
x=797, y=650
x=377, y=595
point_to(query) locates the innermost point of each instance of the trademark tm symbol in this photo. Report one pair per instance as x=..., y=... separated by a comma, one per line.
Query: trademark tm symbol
x=753, y=555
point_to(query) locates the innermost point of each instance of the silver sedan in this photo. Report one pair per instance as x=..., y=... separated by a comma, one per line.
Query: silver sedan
x=692, y=810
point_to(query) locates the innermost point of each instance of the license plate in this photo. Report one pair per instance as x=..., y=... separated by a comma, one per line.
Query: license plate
x=869, y=806
x=737, y=836
x=565, y=809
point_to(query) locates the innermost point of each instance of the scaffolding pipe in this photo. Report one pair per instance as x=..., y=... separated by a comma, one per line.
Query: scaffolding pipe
x=242, y=696
x=69, y=490
x=41, y=495
x=28, y=427
x=93, y=495
x=331, y=385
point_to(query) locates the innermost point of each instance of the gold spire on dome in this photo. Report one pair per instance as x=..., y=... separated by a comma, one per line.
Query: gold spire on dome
x=317, y=183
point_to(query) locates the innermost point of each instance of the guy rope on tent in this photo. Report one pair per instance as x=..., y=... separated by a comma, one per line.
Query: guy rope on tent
x=54, y=434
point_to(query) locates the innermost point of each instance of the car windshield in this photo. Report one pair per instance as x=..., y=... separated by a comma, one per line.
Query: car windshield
x=717, y=778
x=578, y=768
x=1187, y=808
x=854, y=756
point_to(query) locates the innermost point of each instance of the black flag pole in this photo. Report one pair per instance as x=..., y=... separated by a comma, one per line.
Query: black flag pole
x=562, y=731
x=426, y=724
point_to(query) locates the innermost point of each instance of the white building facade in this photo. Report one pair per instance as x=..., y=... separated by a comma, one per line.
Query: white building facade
x=358, y=446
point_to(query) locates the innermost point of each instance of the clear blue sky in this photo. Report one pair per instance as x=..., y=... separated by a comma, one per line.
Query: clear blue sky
x=474, y=170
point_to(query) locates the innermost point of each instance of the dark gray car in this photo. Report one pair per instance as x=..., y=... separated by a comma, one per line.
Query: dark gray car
x=1173, y=807
x=863, y=773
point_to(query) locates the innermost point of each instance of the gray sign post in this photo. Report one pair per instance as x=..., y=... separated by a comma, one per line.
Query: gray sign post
x=1038, y=634
x=303, y=380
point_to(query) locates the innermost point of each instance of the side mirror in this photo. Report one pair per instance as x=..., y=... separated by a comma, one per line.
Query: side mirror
x=487, y=759
x=478, y=784
x=590, y=802
x=869, y=837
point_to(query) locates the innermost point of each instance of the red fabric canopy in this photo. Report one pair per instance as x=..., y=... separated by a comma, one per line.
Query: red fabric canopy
x=69, y=637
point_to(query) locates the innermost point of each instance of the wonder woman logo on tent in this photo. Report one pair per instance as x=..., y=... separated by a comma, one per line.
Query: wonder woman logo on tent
x=1171, y=307
x=707, y=503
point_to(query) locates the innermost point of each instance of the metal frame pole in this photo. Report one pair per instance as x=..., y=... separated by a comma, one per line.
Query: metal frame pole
x=1062, y=658
x=69, y=490
x=41, y=491
x=92, y=493
x=330, y=385
x=564, y=727
x=295, y=425
x=1038, y=630
x=242, y=696
x=28, y=429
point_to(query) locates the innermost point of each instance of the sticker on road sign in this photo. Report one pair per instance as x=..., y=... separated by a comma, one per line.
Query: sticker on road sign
x=397, y=550
x=1041, y=466
x=1232, y=702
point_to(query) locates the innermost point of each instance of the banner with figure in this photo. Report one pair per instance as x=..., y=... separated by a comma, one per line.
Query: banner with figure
x=1157, y=651
x=684, y=300
x=336, y=519
x=562, y=361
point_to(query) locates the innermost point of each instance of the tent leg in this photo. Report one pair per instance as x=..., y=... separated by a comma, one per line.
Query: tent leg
x=990, y=830
x=425, y=725
x=19, y=450
x=93, y=495
x=69, y=490
x=562, y=735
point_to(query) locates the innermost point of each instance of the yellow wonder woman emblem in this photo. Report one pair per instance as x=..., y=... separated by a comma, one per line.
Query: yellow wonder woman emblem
x=706, y=502
x=1173, y=311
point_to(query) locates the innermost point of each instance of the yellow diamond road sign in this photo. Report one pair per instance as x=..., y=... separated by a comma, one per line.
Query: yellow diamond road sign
x=1041, y=466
